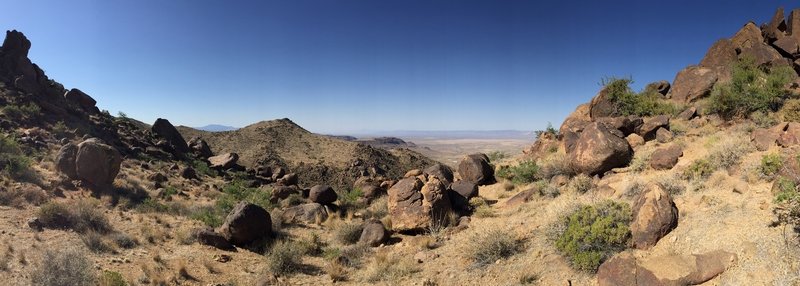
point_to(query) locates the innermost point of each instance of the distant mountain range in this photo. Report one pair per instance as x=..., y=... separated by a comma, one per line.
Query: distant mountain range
x=450, y=134
x=216, y=128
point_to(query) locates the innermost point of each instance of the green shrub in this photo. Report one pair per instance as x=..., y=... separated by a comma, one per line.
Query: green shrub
x=233, y=193
x=168, y=192
x=495, y=156
x=699, y=169
x=60, y=129
x=348, y=233
x=593, y=233
x=13, y=162
x=770, y=164
x=486, y=247
x=524, y=173
x=22, y=112
x=627, y=102
x=787, y=200
x=111, y=278
x=765, y=119
x=202, y=168
x=63, y=267
x=350, y=199
x=284, y=258
x=751, y=89
x=549, y=131
x=787, y=190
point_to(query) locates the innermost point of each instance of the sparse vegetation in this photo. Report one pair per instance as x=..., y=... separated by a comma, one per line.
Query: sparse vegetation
x=553, y=165
x=593, y=233
x=388, y=268
x=580, y=184
x=770, y=165
x=63, y=267
x=13, y=162
x=549, y=130
x=96, y=243
x=486, y=247
x=627, y=102
x=348, y=232
x=111, y=278
x=524, y=173
x=700, y=169
x=751, y=89
x=283, y=258
x=82, y=216
x=496, y=156
x=22, y=112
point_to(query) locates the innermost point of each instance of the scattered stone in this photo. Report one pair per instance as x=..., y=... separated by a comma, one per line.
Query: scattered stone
x=374, y=234
x=282, y=192
x=688, y=114
x=157, y=178
x=654, y=216
x=322, y=194
x=80, y=98
x=790, y=135
x=245, y=224
x=224, y=161
x=665, y=158
x=35, y=224
x=188, y=173
x=289, y=179
x=200, y=147
x=670, y=269
x=475, y=168
x=663, y=135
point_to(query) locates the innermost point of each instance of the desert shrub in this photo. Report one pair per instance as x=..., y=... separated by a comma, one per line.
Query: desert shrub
x=751, y=89
x=671, y=184
x=96, y=243
x=63, y=267
x=580, y=184
x=22, y=112
x=634, y=189
x=168, y=192
x=765, y=119
x=60, y=129
x=486, y=247
x=546, y=189
x=283, y=258
x=480, y=208
x=678, y=127
x=549, y=130
x=349, y=200
x=787, y=190
x=524, y=173
x=123, y=240
x=554, y=165
x=787, y=200
x=770, y=164
x=627, y=102
x=495, y=156
x=698, y=170
x=593, y=233
x=728, y=152
x=111, y=278
x=348, y=233
x=293, y=200
x=641, y=160
x=18, y=197
x=378, y=209
x=82, y=216
x=13, y=162
x=202, y=168
x=790, y=110
x=388, y=268
x=233, y=193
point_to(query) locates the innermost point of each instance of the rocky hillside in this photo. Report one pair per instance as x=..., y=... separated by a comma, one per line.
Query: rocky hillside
x=318, y=159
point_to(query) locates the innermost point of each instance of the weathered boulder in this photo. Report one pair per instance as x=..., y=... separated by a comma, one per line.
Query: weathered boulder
x=414, y=205
x=223, y=161
x=764, y=55
x=305, y=213
x=80, y=98
x=576, y=120
x=747, y=37
x=787, y=45
x=441, y=171
x=651, y=125
x=207, y=236
x=634, y=140
x=654, y=216
x=721, y=54
x=460, y=193
x=665, y=158
x=793, y=24
x=601, y=105
x=322, y=194
x=413, y=173
x=97, y=163
x=475, y=168
x=65, y=160
x=663, y=135
x=692, y=83
x=245, y=224
x=167, y=131
x=670, y=269
x=688, y=114
x=790, y=135
x=661, y=87
x=373, y=234
x=764, y=138
x=200, y=147
x=157, y=178
x=774, y=30
x=282, y=192
x=290, y=179
x=598, y=150
x=625, y=124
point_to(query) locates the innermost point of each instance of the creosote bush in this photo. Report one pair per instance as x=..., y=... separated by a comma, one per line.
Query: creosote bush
x=82, y=216
x=593, y=233
x=524, y=173
x=13, y=162
x=751, y=89
x=284, y=258
x=486, y=247
x=63, y=267
x=771, y=164
x=348, y=233
x=627, y=102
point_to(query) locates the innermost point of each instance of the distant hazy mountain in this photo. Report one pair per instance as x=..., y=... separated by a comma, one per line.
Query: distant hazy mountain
x=452, y=134
x=216, y=128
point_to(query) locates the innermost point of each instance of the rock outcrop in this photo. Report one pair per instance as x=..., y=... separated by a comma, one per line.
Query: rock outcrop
x=416, y=205
x=223, y=161
x=654, y=216
x=167, y=131
x=475, y=168
x=599, y=150
x=245, y=224
x=671, y=269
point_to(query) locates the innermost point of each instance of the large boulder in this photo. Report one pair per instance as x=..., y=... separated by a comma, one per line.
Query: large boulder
x=747, y=37
x=793, y=24
x=764, y=55
x=97, y=163
x=598, y=150
x=790, y=135
x=461, y=192
x=441, y=171
x=80, y=98
x=576, y=120
x=417, y=205
x=654, y=216
x=670, y=269
x=788, y=46
x=692, y=83
x=305, y=213
x=322, y=194
x=373, y=234
x=223, y=161
x=721, y=54
x=200, y=147
x=475, y=168
x=764, y=138
x=625, y=124
x=774, y=30
x=649, y=129
x=660, y=87
x=65, y=160
x=245, y=224
x=601, y=105
x=665, y=158
x=168, y=132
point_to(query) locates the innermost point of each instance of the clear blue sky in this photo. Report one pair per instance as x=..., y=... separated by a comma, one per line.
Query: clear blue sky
x=344, y=66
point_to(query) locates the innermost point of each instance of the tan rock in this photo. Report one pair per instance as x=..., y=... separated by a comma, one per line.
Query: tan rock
x=654, y=215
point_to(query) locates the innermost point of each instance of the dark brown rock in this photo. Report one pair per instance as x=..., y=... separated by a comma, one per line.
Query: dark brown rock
x=461, y=192
x=413, y=173
x=322, y=194
x=97, y=163
x=290, y=179
x=793, y=24
x=625, y=124
x=721, y=54
x=663, y=135
x=374, y=234
x=475, y=168
x=305, y=213
x=598, y=150
x=634, y=140
x=764, y=55
x=654, y=216
x=245, y=224
x=224, y=161
x=167, y=131
x=790, y=135
x=688, y=114
x=200, y=147
x=207, y=236
x=747, y=37
x=65, y=160
x=188, y=173
x=774, y=30
x=661, y=87
x=622, y=269
x=81, y=99
x=441, y=171
x=669, y=269
x=764, y=138
x=282, y=192
x=692, y=83
x=157, y=178
x=665, y=158
x=651, y=126
x=787, y=46
x=601, y=105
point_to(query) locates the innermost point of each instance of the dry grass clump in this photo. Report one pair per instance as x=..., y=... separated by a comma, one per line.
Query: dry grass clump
x=111, y=278
x=671, y=184
x=554, y=165
x=486, y=247
x=348, y=233
x=580, y=184
x=385, y=267
x=123, y=240
x=63, y=267
x=641, y=160
x=284, y=258
x=728, y=152
x=480, y=208
x=96, y=242
x=18, y=197
x=82, y=216
x=378, y=209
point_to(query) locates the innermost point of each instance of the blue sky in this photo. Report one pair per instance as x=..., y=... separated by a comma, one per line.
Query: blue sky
x=346, y=66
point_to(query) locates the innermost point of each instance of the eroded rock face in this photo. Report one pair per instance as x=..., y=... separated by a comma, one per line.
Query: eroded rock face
x=654, y=215
x=415, y=205
x=97, y=163
x=671, y=269
x=475, y=168
x=200, y=147
x=65, y=160
x=721, y=54
x=443, y=172
x=167, y=131
x=461, y=192
x=661, y=87
x=693, y=83
x=81, y=99
x=245, y=224
x=601, y=106
x=774, y=30
x=598, y=150
x=224, y=161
